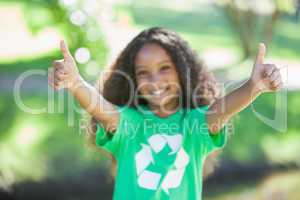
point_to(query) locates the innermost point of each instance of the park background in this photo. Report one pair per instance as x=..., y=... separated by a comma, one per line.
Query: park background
x=44, y=155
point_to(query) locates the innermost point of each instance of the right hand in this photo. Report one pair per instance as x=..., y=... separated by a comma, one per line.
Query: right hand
x=64, y=73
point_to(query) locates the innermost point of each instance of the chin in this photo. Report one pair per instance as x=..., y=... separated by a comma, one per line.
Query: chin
x=159, y=102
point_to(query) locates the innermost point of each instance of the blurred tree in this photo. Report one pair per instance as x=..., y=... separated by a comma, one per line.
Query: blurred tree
x=254, y=19
x=297, y=10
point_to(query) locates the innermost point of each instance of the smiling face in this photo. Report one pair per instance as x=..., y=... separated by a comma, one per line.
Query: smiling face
x=157, y=77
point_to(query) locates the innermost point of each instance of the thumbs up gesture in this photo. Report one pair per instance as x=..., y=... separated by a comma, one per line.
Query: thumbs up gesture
x=265, y=77
x=64, y=73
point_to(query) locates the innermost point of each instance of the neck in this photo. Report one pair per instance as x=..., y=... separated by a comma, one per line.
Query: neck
x=165, y=110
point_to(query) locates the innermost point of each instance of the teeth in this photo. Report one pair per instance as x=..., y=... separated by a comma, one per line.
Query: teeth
x=158, y=92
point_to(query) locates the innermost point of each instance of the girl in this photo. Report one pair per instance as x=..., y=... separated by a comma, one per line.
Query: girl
x=156, y=113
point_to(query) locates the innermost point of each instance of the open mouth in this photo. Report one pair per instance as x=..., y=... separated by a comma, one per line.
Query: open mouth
x=159, y=92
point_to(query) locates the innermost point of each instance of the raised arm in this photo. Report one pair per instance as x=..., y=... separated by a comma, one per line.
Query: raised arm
x=264, y=78
x=64, y=74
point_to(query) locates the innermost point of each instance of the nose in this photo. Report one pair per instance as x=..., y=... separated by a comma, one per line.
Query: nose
x=156, y=80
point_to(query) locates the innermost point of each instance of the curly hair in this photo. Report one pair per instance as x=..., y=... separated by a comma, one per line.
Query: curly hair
x=117, y=90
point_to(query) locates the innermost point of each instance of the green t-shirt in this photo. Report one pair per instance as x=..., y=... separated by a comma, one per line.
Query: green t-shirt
x=160, y=158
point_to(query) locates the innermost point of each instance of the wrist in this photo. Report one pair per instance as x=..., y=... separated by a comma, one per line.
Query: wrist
x=76, y=83
x=253, y=87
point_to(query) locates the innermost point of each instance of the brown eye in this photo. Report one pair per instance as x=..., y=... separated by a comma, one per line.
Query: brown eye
x=142, y=73
x=165, y=68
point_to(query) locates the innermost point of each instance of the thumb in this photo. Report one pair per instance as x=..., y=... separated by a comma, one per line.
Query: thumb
x=65, y=50
x=260, y=57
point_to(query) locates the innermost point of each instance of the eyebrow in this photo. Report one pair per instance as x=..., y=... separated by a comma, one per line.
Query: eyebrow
x=164, y=61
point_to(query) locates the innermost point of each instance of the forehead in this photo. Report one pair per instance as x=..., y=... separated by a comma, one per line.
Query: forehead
x=151, y=54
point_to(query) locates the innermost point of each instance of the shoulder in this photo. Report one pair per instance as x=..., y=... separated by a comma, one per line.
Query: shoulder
x=197, y=112
x=129, y=113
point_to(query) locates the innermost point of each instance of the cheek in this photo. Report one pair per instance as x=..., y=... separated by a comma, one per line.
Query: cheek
x=175, y=89
x=142, y=86
x=171, y=76
x=174, y=83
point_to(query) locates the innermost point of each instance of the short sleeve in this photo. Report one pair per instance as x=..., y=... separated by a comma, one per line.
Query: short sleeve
x=114, y=142
x=204, y=141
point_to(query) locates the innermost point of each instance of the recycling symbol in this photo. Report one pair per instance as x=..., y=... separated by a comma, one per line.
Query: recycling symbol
x=149, y=179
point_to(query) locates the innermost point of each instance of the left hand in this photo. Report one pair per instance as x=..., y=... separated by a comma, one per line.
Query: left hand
x=265, y=77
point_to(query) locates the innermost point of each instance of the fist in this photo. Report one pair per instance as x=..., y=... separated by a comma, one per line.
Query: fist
x=265, y=77
x=64, y=73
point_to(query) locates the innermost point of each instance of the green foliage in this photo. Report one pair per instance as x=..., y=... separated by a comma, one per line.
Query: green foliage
x=41, y=14
x=188, y=24
x=43, y=142
x=207, y=27
x=253, y=141
x=286, y=6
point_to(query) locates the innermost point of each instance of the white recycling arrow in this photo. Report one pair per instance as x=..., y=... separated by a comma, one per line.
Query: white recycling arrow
x=174, y=142
x=150, y=180
x=143, y=158
x=174, y=177
x=182, y=159
x=157, y=142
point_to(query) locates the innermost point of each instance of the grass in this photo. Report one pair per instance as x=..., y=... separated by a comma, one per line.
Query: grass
x=282, y=185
